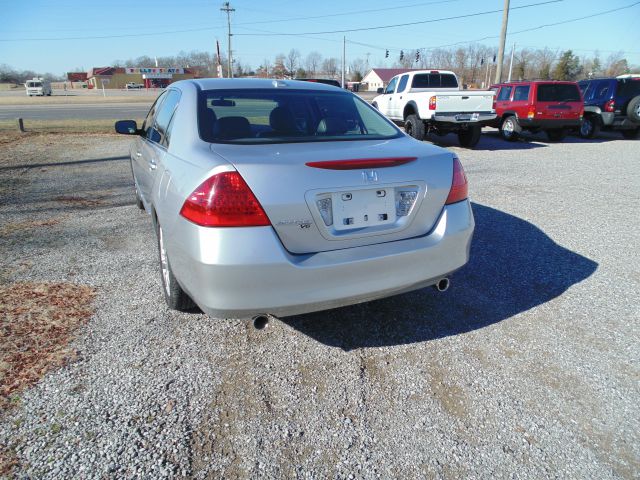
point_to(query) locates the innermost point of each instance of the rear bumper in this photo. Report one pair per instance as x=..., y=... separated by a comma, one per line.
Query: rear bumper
x=483, y=118
x=540, y=124
x=618, y=122
x=240, y=272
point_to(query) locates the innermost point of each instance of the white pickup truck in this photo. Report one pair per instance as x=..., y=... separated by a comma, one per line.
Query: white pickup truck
x=430, y=101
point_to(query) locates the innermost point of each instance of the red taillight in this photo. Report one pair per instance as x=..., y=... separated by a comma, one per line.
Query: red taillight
x=432, y=103
x=610, y=106
x=358, y=163
x=459, y=186
x=224, y=200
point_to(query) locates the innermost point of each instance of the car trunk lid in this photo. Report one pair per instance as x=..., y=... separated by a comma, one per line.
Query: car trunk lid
x=323, y=196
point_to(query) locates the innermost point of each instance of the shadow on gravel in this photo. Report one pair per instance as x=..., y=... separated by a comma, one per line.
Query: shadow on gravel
x=488, y=141
x=62, y=164
x=514, y=267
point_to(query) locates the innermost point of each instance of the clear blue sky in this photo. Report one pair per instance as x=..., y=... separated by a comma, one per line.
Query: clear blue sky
x=55, y=19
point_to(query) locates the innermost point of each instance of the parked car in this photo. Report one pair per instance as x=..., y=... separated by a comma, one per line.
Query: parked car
x=326, y=81
x=542, y=105
x=611, y=104
x=284, y=197
x=431, y=101
x=133, y=86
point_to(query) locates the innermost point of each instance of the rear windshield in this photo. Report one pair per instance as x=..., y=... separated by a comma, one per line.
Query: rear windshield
x=558, y=92
x=285, y=116
x=629, y=87
x=434, y=80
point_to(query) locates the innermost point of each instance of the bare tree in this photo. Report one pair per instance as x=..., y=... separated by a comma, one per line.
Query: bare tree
x=357, y=68
x=616, y=64
x=292, y=61
x=330, y=67
x=543, y=61
x=313, y=62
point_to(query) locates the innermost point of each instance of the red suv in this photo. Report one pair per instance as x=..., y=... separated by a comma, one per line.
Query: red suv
x=548, y=105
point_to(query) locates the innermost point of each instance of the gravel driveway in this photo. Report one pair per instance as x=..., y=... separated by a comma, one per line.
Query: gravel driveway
x=528, y=367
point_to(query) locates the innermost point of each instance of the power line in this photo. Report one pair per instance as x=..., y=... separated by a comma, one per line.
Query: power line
x=490, y=37
x=422, y=22
x=354, y=12
x=97, y=37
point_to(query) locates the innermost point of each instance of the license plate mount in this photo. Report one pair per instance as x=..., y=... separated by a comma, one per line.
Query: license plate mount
x=363, y=208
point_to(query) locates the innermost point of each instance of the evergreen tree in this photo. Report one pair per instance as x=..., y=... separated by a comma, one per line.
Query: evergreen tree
x=568, y=67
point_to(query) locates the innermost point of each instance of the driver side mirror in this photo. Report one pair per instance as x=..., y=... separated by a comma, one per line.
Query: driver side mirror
x=380, y=90
x=127, y=127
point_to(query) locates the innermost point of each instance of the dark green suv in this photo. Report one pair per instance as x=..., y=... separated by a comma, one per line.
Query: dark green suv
x=611, y=104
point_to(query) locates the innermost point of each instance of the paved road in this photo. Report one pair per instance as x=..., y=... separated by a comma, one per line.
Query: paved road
x=89, y=111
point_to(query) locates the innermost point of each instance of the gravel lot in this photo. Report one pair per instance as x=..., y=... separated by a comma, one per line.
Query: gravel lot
x=528, y=367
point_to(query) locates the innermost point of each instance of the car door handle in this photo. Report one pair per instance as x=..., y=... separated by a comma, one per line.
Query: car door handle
x=152, y=164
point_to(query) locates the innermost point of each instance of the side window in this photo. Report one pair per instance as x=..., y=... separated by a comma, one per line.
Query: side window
x=587, y=89
x=392, y=86
x=521, y=94
x=403, y=83
x=448, y=81
x=148, y=122
x=165, y=113
x=505, y=94
x=602, y=90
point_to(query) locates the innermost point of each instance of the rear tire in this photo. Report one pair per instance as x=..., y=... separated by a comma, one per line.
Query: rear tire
x=510, y=129
x=174, y=295
x=590, y=126
x=556, y=135
x=633, y=109
x=414, y=127
x=631, y=134
x=374, y=105
x=470, y=137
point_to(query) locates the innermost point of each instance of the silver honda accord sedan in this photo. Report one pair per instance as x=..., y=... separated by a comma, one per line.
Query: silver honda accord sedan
x=277, y=197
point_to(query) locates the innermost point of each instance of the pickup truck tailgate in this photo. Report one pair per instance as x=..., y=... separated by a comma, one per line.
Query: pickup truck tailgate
x=464, y=101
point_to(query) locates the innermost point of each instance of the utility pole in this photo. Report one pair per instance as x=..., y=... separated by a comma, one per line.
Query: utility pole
x=227, y=8
x=218, y=64
x=503, y=38
x=513, y=50
x=344, y=61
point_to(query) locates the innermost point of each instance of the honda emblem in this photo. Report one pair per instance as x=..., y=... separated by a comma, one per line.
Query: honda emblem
x=370, y=176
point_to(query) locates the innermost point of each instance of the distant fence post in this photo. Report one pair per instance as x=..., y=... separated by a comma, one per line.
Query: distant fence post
x=20, y=125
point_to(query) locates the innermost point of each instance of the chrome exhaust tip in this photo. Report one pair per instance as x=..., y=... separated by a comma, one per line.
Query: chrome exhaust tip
x=260, y=322
x=442, y=285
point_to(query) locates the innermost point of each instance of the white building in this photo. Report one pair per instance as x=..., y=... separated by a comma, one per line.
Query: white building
x=379, y=77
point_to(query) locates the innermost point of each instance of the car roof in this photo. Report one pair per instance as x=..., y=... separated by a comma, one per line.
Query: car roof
x=257, y=83
x=529, y=82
